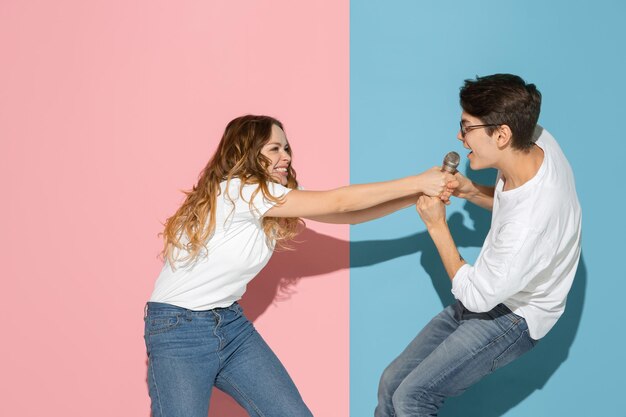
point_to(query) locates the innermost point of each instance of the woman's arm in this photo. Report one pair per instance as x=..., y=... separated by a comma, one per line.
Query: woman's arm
x=365, y=215
x=313, y=204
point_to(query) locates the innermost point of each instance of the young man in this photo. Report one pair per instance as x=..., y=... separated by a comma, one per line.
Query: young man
x=516, y=291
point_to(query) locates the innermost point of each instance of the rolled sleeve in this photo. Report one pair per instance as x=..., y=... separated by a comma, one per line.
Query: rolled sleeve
x=511, y=259
x=248, y=201
x=261, y=204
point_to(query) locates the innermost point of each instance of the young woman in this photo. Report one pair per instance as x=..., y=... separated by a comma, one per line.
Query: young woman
x=245, y=202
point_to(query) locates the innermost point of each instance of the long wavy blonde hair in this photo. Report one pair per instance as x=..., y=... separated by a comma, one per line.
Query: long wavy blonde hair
x=238, y=155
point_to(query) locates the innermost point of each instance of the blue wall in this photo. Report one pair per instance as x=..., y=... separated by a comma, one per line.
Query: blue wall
x=408, y=60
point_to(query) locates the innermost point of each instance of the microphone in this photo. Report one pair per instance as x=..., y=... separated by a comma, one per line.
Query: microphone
x=450, y=162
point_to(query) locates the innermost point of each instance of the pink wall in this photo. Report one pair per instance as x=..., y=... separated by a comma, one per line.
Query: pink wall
x=107, y=109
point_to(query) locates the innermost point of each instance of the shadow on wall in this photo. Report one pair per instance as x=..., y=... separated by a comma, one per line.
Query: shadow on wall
x=375, y=251
x=493, y=396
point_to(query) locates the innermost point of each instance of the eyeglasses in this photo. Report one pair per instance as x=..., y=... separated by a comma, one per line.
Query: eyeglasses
x=465, y=129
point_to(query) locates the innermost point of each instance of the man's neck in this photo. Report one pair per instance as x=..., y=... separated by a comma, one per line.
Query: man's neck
x=519, y=167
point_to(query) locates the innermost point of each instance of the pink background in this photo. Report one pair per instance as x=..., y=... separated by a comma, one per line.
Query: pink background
x=107, y=110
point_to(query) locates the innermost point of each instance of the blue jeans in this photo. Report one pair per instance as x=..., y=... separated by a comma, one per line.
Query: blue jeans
x=454, y=351
x=189, y=352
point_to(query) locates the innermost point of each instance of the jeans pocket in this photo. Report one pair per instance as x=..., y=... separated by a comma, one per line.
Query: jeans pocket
x=521, y=345
x=161, y=324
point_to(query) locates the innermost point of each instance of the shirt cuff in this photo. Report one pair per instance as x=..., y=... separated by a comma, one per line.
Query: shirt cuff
x=459, y=279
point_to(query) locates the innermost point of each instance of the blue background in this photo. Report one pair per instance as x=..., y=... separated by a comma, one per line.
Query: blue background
x=408, y=60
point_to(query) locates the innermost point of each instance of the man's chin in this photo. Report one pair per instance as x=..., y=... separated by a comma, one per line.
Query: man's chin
x=475, y=165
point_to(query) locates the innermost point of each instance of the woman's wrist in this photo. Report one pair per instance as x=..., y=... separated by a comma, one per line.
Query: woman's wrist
x=418, y=184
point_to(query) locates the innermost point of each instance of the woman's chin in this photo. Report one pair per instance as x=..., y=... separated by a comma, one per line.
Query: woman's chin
x=279, y=179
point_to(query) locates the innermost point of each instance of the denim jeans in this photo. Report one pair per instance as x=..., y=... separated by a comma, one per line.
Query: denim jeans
x=189, y=352
x=454, y=351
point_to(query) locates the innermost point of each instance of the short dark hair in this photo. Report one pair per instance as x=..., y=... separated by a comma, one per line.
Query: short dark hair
x=504, y=99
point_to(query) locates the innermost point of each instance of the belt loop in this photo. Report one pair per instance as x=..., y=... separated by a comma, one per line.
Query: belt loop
x=145, y=311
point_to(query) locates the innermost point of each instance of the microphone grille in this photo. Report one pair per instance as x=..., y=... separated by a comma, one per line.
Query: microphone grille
x=451, y=161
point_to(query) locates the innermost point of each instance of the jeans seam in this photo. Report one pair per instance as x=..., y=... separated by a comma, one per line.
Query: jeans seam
x=243, y=395
x=501, y=335
x=495, y=361
x=156, y=388
x=218, y=321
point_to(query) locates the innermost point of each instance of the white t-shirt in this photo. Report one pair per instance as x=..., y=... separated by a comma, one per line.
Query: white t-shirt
x=531, y=253
x=237, y=251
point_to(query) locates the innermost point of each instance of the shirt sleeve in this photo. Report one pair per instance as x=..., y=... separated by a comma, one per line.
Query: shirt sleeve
x=257, y=204
x=513, y=257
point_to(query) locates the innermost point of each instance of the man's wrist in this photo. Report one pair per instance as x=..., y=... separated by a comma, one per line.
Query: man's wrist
x=472, y=193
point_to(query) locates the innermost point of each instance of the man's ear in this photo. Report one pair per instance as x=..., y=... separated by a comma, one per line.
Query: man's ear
x=504, y=136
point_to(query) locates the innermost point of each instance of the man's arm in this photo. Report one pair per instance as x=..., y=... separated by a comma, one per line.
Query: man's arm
x=481, y=195
x=433, y=213
x=512, y=259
